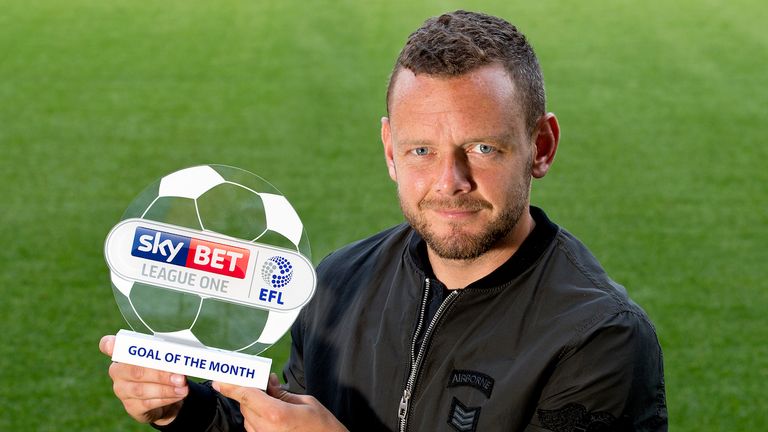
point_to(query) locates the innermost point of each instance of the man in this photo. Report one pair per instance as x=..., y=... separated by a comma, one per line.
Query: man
x=479, y=313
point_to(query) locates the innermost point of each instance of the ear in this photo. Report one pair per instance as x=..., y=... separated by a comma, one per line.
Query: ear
x=546, y=138
x=386, y=139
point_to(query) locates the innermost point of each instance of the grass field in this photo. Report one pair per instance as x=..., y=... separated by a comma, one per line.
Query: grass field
x=661, y=169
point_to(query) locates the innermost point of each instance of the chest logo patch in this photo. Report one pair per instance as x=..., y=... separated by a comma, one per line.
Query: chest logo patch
x=477, y=380
x=463, y=418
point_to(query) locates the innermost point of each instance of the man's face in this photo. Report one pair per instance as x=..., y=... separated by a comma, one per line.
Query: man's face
x=461, y=156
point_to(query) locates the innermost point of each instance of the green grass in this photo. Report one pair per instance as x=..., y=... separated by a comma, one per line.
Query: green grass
x=661, y=169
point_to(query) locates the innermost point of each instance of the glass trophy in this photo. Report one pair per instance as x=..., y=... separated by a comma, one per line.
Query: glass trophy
x=210, y=266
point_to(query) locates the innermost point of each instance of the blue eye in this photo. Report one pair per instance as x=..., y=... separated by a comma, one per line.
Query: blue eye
x=421, y=151
x=483, y=149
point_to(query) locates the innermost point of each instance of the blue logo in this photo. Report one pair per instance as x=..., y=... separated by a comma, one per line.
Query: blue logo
x=277, y=271
x=160, y=246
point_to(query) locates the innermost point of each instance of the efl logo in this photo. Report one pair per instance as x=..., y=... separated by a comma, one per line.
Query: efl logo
x=190, y=252
x=276, y=271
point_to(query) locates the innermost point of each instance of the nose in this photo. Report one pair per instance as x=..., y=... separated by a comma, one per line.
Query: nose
x=454, y=174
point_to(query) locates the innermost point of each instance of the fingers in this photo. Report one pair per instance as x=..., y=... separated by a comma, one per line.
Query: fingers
x=148, y=395
x=135, y=382
x=152, y=410
x=247, y=396
x=279, y=410
x=107, y=344
x=254, y=403
x=148, y=391
x=159, y=411
x=131, y=373
x=278, y=392
x=256, y=399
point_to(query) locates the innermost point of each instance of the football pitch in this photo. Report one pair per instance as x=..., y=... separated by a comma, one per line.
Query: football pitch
x=661, y=168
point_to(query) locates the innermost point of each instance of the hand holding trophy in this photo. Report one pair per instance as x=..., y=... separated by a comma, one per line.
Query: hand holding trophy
x=209, y=267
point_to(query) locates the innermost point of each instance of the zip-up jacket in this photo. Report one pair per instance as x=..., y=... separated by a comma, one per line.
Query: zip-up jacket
x=546, y=342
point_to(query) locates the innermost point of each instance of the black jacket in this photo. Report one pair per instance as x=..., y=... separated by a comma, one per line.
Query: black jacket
x=547, y=342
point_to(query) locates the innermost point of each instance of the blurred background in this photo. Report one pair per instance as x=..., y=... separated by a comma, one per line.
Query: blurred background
x=661, y=169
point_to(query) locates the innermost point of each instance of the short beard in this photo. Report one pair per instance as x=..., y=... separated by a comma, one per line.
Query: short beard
x=459, y=245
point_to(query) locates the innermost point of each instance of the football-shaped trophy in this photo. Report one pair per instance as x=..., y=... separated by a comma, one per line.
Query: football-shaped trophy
x=210, y=266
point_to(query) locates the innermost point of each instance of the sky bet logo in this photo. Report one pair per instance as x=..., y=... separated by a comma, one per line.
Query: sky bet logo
x=190, y=252
x=208, y=264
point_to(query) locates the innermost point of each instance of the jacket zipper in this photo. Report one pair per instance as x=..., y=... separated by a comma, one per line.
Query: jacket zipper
x=405, y=401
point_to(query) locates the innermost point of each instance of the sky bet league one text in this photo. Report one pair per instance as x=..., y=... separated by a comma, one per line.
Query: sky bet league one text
x=201, y=263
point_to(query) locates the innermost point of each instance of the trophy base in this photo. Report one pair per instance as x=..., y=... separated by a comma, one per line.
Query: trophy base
x=208, y=363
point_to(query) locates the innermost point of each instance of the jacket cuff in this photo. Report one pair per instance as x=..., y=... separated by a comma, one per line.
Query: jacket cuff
x=199, y=408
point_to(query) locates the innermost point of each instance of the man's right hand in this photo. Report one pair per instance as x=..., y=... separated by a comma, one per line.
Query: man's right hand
x=148, y=395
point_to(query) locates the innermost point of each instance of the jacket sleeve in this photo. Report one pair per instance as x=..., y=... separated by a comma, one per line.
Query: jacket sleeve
x=205, y=409
x=293, y=372
x=611, y=378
